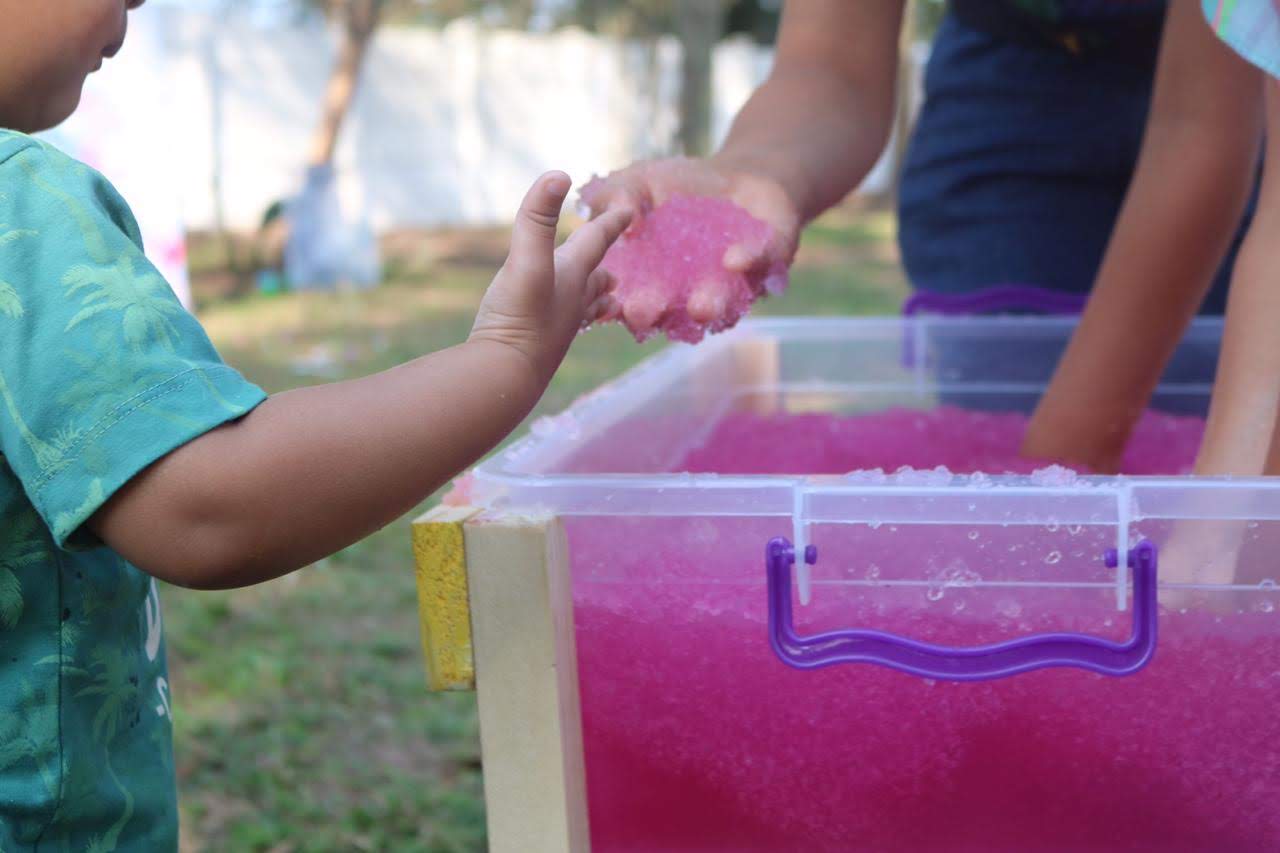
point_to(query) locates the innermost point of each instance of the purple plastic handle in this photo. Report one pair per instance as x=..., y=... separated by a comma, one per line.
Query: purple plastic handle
x=1006, y=297
x=972, y=663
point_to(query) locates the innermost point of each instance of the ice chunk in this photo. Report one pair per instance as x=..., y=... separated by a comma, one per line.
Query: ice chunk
x=1054, y=475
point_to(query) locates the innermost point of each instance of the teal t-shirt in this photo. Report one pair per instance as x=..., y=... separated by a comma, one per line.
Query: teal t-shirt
x=102, y=372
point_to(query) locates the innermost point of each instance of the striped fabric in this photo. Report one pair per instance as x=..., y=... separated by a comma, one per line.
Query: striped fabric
x=1251, y=27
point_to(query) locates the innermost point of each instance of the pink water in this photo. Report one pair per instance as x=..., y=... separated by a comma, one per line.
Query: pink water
x=698, y=738
x=670, y=272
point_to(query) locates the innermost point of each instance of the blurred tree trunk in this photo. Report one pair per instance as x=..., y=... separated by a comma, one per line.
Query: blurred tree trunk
x=234, y=263
x=589, y=15
x=699, y=25
x=359, y=20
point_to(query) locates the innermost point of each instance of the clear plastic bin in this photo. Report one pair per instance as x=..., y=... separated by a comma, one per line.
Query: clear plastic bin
x=700, y=737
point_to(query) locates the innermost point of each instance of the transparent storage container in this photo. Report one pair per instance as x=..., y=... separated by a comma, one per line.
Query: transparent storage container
x=699, y=736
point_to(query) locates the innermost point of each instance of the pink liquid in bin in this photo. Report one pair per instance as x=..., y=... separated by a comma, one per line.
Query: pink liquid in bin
x=963, y=441
x=698, y=738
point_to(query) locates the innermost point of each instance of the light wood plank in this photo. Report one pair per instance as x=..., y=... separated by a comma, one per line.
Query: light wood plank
x=527, y=684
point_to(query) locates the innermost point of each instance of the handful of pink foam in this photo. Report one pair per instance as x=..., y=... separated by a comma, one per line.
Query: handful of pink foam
x=671, y=274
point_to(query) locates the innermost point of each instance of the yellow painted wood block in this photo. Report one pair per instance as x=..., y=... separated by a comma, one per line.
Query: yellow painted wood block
x=443, y=599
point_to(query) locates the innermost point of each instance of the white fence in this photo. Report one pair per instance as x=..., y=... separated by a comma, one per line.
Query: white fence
x=449, y=126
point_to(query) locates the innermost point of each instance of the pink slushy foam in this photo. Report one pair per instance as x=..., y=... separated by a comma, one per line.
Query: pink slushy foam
x=672, y=262
x=959, y=439
x=698, y=738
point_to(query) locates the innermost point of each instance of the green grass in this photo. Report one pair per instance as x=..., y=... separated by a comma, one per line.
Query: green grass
x=302, y=718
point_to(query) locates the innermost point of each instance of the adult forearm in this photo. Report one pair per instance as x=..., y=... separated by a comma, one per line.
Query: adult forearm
x=813, y=133
x=822, y=118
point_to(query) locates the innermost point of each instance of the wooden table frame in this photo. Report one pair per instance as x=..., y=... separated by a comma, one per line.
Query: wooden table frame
x=496, y=607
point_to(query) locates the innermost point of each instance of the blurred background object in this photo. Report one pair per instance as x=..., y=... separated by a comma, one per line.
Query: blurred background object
x=409, y=114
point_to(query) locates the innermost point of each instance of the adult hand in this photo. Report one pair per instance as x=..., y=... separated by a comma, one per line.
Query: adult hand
x=641, y=187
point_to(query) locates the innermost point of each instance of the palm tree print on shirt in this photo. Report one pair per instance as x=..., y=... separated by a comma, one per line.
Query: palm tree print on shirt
x=67, y=521
x=110, y=678
x=19, y=744
x=101, y=370
x=44, y=453
x=110, y=681
x=143, y=300
x=94, y=242
x=21, y=547
x=10, y=303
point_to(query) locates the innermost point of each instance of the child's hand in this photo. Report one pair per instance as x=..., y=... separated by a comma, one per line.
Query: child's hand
x=1201, y=552
x=543, y=295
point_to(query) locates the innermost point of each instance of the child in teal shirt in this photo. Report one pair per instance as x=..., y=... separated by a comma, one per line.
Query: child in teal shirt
x=129, y=451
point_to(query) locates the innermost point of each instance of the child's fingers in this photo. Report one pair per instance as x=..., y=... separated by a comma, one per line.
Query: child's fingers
x=603, y=309
x=612, y=307
x=616, y=192
x=598, y=300
x=533, y=238
x=612, y=225
x=600, y=282
x=623, y=199
x=588, y=244
x=585, y=248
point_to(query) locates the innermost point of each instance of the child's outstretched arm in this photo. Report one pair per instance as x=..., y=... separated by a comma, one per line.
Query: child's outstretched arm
x=310, y=471
x=1194, y=174
x=1242, y=436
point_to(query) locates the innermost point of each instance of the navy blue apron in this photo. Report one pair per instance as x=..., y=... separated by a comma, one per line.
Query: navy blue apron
x=1030, y=130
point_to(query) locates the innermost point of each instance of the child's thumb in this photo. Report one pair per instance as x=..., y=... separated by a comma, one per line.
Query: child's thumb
x=534, y=237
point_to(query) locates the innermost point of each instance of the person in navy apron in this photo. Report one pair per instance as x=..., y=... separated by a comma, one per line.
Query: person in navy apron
x=1029, y=133
x=1016, y=169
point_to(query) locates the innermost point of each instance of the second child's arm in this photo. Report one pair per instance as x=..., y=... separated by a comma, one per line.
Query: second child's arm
x=1194, y=174
x=1242, y=436
x=311, y=471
